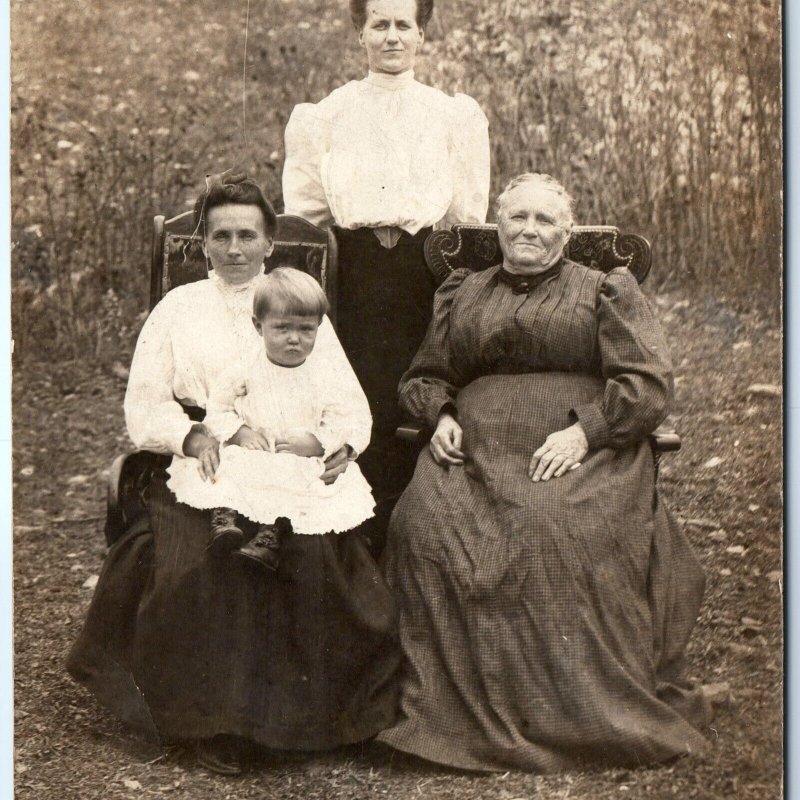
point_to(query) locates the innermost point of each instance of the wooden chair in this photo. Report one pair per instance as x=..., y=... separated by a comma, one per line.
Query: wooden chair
x=177, y=258
x=602, y=247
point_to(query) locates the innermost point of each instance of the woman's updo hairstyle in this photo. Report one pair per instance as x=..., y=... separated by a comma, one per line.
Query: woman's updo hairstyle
x=358, y=13
x=226, y=189
x=541, y=179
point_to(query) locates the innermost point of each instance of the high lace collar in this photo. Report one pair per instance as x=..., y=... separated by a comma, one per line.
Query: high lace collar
x=385, y=80
x=232, y=290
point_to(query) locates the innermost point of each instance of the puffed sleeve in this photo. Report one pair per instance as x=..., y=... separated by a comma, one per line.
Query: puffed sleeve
x=469, y=162
x=346, y=418
x=155, y=420
x=221, y=418
x=635, y=364
x=306, y=141
x=435, y=377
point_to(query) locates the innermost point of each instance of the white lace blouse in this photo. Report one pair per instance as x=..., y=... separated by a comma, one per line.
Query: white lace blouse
x=387, y=151
x=191, y=338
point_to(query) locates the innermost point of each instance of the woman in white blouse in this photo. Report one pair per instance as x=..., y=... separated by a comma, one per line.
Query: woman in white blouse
x=185, y=646
x=386, y=159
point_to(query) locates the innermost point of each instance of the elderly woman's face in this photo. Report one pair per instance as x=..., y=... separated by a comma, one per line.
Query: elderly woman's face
x=391, y=35
x=534, y=228
x=235, y=242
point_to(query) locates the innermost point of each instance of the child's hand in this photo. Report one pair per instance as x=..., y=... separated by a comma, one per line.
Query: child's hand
x=249, y=439
x=301, y=444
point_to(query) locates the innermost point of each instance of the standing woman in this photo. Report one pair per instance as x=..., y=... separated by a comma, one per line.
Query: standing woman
x=386, y=159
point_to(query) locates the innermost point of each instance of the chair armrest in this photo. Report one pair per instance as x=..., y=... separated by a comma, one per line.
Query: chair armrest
x=665, y=440
x=662, y=439
x=115, y=520
x=126, y=492
x=413, y=432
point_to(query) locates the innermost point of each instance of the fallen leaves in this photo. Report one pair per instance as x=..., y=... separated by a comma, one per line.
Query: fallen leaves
x=764, y=390
x=700, y=522
x=120, y=371
x=717, y=693
x=743, y=650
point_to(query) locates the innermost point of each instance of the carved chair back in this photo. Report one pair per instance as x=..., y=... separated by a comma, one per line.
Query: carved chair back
x=477, y=247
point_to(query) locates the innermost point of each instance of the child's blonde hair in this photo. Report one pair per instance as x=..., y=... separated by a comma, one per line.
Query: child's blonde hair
x=289, y=291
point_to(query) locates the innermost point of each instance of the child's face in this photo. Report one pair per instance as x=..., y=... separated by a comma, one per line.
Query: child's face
x=288, y=338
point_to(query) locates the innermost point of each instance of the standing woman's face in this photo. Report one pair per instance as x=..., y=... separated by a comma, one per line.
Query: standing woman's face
x=391, y=35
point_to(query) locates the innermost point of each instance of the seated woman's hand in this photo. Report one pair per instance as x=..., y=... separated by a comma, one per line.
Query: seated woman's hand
x=336, y=464
x=205, y=448
x=301, y=444
x=562, y=451
x=249, y=439
x=445, y=444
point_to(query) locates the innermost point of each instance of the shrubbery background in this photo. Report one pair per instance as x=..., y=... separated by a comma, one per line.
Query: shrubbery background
x=662, y=118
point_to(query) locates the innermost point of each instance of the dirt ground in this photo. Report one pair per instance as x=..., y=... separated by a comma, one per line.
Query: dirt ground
x=725, y=485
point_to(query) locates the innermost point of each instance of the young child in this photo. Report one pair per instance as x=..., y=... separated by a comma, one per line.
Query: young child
x=278, y=416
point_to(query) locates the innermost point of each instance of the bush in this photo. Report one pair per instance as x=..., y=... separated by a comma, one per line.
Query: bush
x=662, y=119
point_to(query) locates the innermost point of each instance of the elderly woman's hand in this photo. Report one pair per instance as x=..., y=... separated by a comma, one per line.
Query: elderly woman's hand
x=563, y=450
x=445, y=443
x=336, y=464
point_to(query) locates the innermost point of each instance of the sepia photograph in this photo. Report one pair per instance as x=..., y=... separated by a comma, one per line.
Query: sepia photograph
x=397, y=399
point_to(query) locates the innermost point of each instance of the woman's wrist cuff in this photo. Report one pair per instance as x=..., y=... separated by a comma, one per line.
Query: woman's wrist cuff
x=594, y=425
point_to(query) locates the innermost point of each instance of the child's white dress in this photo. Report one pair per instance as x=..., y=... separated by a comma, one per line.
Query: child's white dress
x=262, y=485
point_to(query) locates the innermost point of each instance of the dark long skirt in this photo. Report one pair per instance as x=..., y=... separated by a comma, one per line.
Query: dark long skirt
x=385, y=302
x=544, y=624
x=181, y=645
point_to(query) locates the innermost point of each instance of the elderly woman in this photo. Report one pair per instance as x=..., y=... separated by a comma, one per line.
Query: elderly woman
x=386, y=159
x=546, y=596
x=187, y=646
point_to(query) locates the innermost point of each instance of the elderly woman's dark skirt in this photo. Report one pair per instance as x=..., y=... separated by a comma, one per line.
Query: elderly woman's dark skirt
x=185, y=646
x=544, y=624
x=385, y=300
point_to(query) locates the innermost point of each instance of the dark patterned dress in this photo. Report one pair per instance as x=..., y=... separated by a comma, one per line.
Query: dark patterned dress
x=544, y=624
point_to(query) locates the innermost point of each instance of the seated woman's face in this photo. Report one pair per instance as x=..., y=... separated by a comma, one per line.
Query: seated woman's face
x=534, y=227
x=391, y=35
x=235, y=242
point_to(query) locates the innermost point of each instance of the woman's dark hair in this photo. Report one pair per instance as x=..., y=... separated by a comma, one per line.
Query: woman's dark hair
x=358, y=13
x=223, y=190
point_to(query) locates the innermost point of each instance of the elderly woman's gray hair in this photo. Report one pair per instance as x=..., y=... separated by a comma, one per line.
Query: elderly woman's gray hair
x=540, y=179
